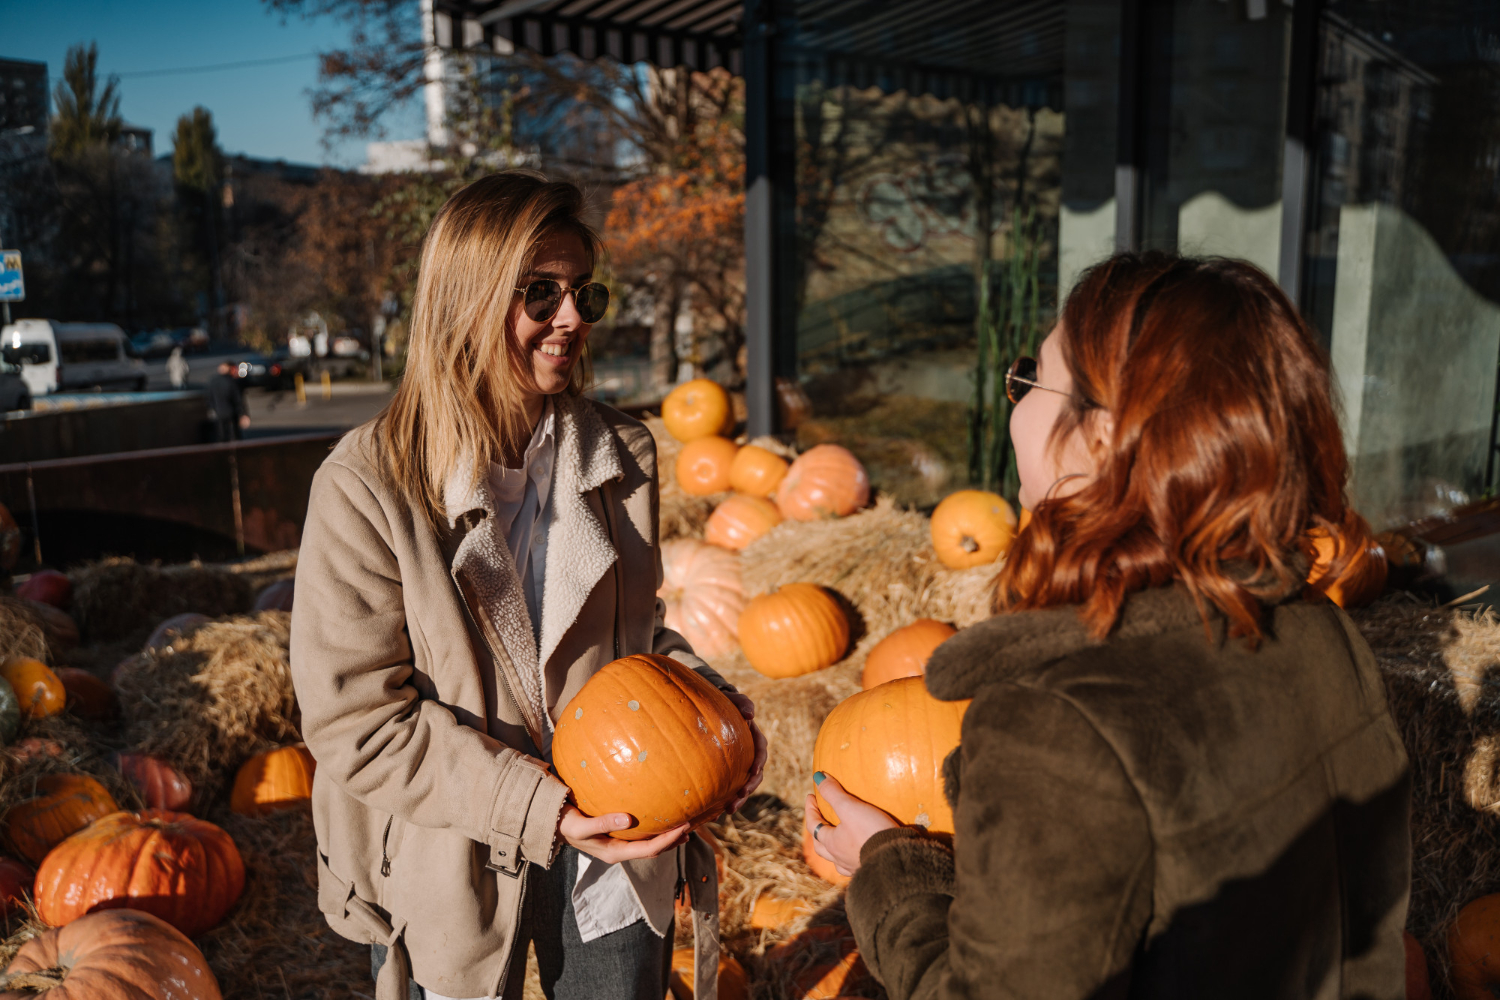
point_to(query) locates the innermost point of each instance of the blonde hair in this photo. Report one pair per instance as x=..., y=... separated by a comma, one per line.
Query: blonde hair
x=461, y=395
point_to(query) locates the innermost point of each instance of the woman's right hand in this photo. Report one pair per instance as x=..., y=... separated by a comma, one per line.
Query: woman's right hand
x=590, y=834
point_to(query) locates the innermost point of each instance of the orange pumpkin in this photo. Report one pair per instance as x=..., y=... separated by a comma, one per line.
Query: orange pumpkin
x=66, y=803
x=793, y=631
x=1474, y=949
x=185, y=870
x=972, y=528
x=273, y=779
x=697, y=409
x=773, y=913
x=1418, y=987
x=756, y=472
x=703, y=465
x=904, y=652
x=829, y=977
x=887, y=746
x=649, y=737
x=87, y=696
x=821, y=867
x=702, y=592
x=733, y=983
x=740, y=520
x=824, y=481
x=15, y=886
x=1363, y=578
x=38, y=689
x=114, y=955
x=160, y=785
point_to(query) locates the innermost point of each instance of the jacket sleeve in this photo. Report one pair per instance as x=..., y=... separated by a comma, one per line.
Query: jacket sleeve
x=362, y=718
x=1047, y=891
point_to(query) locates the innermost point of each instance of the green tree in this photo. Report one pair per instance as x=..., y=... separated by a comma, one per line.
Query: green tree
x=198, y=171
x=86, y=117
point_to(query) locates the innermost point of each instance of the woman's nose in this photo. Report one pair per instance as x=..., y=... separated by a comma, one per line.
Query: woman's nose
x=566, y=317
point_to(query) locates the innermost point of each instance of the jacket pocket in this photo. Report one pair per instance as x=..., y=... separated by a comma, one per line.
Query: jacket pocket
x=390, y=843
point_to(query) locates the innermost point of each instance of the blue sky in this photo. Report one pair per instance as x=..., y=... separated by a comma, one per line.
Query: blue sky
x=259, y=110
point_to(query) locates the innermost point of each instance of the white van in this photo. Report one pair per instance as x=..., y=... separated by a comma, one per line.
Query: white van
x=63, y=357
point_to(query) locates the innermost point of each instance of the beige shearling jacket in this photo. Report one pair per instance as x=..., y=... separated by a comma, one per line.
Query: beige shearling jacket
x=416, y=671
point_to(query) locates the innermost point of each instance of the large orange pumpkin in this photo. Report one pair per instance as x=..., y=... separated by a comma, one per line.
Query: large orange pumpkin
x=65, y=804
x=185, y=870
x=273, y=779
x=756, y=471
x=1363, y=578
x=824, y=979
x=697, y=409
x=740, y=520
x=1474, y=949
x=775, y=912
x=824, y=481
x=821, y=867
x=733, y=983
x=160, y=785
x=38, y=689
x=88, y=697
x=904, y=652
x=649, y=737
x=113, y=955
x=703, y=465
x=15, y=886
x=793, y=631
x=887, y=746
x=701, y=589
x=972, y=528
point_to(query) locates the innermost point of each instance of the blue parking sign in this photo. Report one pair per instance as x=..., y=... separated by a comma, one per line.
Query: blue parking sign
x=12, y=284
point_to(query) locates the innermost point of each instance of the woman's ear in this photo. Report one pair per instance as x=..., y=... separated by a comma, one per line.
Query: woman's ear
x=1101, y=431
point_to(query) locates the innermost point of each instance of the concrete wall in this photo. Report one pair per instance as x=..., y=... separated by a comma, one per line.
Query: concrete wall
x=67, y=427
x=1084, y=238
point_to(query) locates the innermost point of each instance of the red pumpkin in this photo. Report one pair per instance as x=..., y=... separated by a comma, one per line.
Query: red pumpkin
x=15, y=886
x=58, y=626
x=114, y=955
x=276, y=597
x=49, y=587
x=161, y=786
x=89, y=698
x=65, y=804
x=186, y=871
x=702, y=593
x=825, y=481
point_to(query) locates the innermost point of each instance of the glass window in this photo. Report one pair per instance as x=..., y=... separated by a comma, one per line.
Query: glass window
x=77, y=352
x=26, y=354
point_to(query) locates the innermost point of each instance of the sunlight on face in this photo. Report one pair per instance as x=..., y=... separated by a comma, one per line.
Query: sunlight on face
x=1040, y=461
x=550, y=350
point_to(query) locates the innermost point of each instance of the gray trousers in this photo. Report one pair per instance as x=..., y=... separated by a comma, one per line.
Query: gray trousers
x=629, y=964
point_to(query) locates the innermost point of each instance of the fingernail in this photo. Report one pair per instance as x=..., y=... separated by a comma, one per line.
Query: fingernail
x=818, y=777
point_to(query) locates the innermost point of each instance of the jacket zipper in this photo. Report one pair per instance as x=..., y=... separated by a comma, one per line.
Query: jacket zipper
x=385, y=857
x=502, y=659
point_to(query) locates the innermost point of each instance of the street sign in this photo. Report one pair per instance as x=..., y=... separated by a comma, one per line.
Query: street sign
x=12, y=284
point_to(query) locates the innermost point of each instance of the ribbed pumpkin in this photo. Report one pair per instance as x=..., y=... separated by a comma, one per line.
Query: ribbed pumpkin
x=774, y=912
x=273, y=779
x=697, y=409
x=1418, y=986
x=39, y=690
x=1474, y=949
x=10, y=712
x=113, y=955
x=703, y=465
x=904, y=652
x=740, y=520
x=1363, y=578
x=87, y=696
x=733, y=983
x=161, y=786
x=185, y=870
x=702, y=592
x=825, y=481
x=756, y=471
x=972, y=528
x=15, y=886
x=649, y=737
x=64, y=804
x=826, y=979
x=821, y=867
x=887, y=746
x=793, y=631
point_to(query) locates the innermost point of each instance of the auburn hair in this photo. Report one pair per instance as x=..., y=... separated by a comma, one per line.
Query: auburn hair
x=1225, y=449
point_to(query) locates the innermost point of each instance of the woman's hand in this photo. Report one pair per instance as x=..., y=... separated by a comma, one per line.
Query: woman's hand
x=858, y=822
x=758, y=765
x=590, y=834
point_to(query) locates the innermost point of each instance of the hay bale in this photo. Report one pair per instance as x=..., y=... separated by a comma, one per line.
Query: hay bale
x=120, y=598
x=21, y=630
x=219, y=693
x=58, y=744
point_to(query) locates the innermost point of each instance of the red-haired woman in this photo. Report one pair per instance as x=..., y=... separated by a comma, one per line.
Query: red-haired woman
x=1178, y=778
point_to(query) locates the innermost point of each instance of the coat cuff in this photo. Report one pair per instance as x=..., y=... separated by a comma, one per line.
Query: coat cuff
x=879, y=840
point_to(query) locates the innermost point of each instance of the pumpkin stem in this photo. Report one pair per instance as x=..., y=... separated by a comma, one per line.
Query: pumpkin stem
x=968, y=544
x=37, y=982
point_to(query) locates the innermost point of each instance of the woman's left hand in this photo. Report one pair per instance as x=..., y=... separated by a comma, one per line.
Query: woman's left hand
x=858, y=822
x=758, y=765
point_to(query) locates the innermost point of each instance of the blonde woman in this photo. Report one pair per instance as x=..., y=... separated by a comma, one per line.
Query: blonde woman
x=470, y=558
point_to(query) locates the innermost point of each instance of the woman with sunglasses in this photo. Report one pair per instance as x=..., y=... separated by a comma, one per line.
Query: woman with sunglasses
x=1178, y=776
x=470, y=559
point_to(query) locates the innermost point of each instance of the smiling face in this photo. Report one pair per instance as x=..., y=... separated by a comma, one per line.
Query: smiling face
x=550, y=350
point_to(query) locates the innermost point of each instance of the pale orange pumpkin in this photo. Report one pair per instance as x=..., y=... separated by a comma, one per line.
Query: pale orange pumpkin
x=273, y=779
x=821, y=867
x=1363, y=577
x=703, y=465
x=972, y=528
x=702, y=593
x=733, y=983
x=649, y=737
x=904, y=652
x=184, y=870
x=740, y=520
x=39, y=690
x=825, y=481
x=697, y=409
x=64, y=804
x=756, y=471
x=113, y=955
x=887, y=746
x=1474, y=949
x=793, y=631
x=774, y=912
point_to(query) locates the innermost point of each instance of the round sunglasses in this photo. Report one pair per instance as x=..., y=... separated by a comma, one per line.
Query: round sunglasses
x=1021, y=379
x=544, y=297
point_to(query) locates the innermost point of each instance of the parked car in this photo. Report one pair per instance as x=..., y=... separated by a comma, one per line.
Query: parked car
x=156, y=343
x=14, y=394
x=286, y=366
x=253, y=370
x=58, y=357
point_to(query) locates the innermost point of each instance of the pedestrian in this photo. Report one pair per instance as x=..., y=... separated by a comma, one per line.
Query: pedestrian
x=470, y=558
x=1178, y=776
x=227, y=403
x=177, y=368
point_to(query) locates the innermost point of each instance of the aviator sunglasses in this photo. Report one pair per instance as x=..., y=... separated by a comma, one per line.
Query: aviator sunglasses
x=1021, y=379
x=544, y=297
